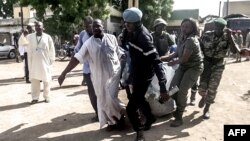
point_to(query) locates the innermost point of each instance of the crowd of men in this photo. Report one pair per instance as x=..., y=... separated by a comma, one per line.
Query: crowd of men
x=103, y=59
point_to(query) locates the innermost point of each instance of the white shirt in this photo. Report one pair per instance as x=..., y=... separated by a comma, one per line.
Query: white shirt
x=23, y=43
x=41, y=56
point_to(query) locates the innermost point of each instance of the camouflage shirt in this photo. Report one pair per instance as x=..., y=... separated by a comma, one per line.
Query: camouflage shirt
x=214, y=47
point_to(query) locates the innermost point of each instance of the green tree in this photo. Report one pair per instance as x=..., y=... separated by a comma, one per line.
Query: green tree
x=6, y=8
x=153, y=9
x=67, y=14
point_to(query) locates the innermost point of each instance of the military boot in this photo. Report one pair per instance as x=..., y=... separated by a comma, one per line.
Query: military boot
x=206, y=112
x=178, y=120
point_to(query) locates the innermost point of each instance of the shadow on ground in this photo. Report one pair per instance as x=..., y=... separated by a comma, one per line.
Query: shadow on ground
x=8, y=61
x=84, y=91
x=10, y=81
x=13, y=107
x=59, y=124
x=160, y=130
x=246, y=97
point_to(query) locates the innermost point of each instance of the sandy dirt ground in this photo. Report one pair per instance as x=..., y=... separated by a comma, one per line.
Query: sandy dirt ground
x=68, y=116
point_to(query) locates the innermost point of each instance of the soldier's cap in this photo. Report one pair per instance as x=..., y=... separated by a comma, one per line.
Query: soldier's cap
x=132, y=15
x=160, y=21
x=238, y=31
x=220, y=21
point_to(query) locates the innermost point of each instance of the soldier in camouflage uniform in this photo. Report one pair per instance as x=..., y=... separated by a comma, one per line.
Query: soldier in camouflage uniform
x=215, y=45
x=162, y=39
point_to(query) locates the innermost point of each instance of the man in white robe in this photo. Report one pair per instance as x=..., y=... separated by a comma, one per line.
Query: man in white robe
x=84, y=36
x=102, y=52
x=41, y=57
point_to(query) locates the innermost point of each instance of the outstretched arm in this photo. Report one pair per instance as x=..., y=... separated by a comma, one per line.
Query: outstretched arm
x=169, y=57
x=79, y=57
x=71, y=65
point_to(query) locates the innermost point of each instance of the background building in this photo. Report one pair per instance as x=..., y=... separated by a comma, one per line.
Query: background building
x=236, y=7
x=177, y=16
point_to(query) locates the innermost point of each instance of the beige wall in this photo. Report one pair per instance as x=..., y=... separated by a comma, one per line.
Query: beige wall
x=239, y=7
x=27, y=13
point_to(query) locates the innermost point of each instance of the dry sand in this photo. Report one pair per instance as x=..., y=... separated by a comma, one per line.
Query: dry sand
x=67, y=116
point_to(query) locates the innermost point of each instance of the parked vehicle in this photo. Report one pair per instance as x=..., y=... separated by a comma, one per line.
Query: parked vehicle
x=7, y=51
x=66, y=50
x=239, y=24
x=234, y=22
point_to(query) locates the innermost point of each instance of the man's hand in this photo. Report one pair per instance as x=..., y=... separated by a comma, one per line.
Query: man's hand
x=245, y=52
x=165, y=58
x=61, y=78
x=228, y=31
x=171, y=63
x=164, y=97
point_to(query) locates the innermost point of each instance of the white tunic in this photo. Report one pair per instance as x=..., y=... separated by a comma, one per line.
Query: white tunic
x=23, y=43
x=103, y=58
x=41, y=56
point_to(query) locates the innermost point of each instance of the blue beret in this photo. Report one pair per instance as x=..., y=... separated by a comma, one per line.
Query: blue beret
x=132, y=15
x=220, y=21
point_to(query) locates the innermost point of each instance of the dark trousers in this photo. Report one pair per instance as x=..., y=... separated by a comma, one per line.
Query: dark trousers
x=91, y=91
x=26, y=67
x=138, y=105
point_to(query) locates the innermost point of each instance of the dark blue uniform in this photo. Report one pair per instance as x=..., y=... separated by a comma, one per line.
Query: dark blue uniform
x=145, y=62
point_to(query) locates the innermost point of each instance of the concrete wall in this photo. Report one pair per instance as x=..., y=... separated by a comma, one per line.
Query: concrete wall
x=27, y=12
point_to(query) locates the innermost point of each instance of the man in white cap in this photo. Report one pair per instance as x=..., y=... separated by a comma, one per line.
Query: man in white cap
x=41, y=57
x=145, y=62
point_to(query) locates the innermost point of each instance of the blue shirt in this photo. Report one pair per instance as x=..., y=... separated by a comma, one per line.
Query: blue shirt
x=84, y=36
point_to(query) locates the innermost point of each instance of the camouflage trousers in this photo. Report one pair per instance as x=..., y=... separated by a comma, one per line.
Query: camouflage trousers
x=210, y=80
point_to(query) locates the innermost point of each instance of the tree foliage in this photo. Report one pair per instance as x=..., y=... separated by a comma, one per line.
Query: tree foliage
x=67, y=14
x=6, y=8
x=153, y=9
